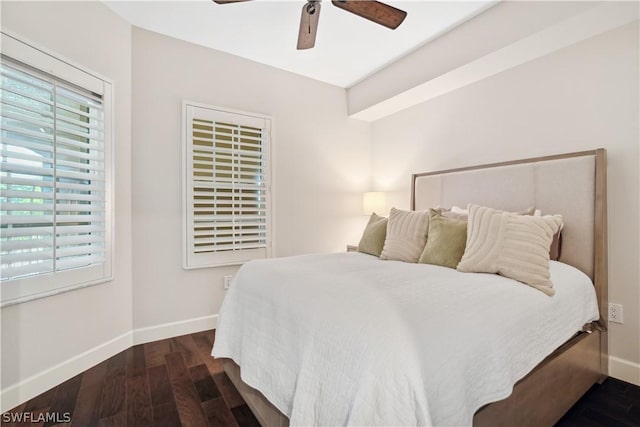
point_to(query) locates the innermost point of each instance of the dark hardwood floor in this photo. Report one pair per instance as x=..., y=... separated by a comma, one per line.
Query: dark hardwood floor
x=613, y=403
x=168, y=383
x=176, y=382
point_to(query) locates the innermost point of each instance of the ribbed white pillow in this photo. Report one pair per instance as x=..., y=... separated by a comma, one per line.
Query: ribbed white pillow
x=406, y=235
x=512, y=245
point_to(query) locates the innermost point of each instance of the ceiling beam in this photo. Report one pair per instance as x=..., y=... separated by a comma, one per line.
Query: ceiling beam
x=397, y=87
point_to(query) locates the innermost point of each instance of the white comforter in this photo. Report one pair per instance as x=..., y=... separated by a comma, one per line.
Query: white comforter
x=348, y=339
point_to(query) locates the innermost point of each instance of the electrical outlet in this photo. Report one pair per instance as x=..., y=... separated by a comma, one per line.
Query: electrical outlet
x=227, y=281
x=615, y=313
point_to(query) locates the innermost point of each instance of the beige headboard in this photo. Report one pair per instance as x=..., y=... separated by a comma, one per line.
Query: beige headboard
x=573, y=185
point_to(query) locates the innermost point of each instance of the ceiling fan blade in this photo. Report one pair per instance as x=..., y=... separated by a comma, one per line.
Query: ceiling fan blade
x=229, y=1
x=375, y=11
x=308, y=25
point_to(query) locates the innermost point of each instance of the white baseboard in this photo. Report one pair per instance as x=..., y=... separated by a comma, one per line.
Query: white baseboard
x=16, y=394
x=29, y=388
x=174, y=329
x=624, y=370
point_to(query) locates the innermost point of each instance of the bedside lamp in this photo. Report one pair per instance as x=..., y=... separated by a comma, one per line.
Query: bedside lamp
x=374, y=201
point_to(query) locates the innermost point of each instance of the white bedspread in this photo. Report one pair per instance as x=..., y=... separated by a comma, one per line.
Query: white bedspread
x=348, y=339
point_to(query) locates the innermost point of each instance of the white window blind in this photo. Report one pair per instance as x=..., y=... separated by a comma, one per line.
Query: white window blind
x=227, y=187
x=54, y=230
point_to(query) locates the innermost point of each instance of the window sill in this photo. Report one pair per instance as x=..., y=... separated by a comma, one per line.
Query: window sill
x=40, y=295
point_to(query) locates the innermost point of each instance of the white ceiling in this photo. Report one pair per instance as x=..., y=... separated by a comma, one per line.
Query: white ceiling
x=348, y=48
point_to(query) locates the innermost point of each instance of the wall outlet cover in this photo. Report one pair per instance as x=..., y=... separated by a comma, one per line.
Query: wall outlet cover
x=615, y=313
x=227, y=281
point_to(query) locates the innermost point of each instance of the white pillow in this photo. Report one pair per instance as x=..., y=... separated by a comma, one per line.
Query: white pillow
x=515, y=246
x=458, y=210
x=406, y=235
x=462, y=213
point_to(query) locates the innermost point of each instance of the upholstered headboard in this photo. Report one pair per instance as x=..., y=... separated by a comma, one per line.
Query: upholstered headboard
x=573, y=185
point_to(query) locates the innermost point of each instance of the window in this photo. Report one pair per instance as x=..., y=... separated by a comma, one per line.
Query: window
x=227, y=187
x=54, y=176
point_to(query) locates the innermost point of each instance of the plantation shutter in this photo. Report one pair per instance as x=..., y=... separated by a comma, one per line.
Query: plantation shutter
x=52, y=181
x=228, y=192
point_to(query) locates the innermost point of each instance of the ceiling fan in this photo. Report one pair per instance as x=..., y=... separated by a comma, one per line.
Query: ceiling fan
x=375, y=11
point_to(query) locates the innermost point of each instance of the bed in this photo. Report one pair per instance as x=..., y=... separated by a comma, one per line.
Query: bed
x=341, y=338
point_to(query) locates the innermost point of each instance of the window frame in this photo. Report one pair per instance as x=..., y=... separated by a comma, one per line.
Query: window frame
x=190, y=259
x=44, y=61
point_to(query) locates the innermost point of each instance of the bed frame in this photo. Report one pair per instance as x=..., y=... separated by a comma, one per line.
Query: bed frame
x=549, y=184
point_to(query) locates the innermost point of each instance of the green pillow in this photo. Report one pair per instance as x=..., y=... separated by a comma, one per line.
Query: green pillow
x=373, y=236
x=446, y=240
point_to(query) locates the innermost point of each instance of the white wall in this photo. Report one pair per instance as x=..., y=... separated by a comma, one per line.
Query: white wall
x=581, y=97
x=321, y=166
x=41, y=334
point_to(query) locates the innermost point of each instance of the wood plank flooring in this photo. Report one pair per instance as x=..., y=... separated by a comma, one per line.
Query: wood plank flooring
x=613, y=403
x=173, y=382
x=176, y=382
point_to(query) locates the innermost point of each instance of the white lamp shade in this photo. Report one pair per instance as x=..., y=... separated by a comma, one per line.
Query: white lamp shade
x=374, y=201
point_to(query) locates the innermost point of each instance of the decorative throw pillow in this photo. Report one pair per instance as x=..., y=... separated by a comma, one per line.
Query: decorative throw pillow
x=515, y=246
x=373, y=236
x=446, y=240
x=406, y=235
x=556, y=244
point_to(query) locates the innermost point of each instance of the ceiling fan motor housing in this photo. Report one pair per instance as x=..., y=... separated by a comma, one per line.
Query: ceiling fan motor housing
x=311, y=6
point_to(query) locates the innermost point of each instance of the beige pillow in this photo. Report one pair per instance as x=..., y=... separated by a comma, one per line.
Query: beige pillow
x=515, y=246
x=406, y=235
x=556, y=244
x=446, y=240
x=373, y=236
